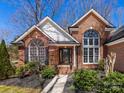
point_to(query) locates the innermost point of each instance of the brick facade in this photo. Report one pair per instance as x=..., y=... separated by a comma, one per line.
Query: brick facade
x=90, y=21
x=53, y=51
x=119, y=50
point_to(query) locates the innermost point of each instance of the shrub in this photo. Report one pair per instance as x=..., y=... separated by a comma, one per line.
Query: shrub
x=48, y=72
x=27, y=69
x=113, y=83
x=6, y=68
x=19, y=71
x=101, y=64
x=32, y=66
x=85, y=80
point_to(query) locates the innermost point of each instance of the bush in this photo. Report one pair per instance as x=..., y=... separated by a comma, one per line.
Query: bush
x=48, y=72
x=27, y=69
x=113, y=83
x=101, y=64
x=19, y=71
x=85, y=80
x=32, y=66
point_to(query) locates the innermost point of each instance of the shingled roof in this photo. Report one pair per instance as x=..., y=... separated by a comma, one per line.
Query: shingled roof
x=118, y=34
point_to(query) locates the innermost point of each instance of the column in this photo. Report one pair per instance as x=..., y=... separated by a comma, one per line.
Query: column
x=74, y=55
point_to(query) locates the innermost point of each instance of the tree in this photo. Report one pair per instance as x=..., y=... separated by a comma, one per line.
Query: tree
x=75, y=9
x=120, y=15
x=6, y=68
x=30, y=12
x=109, y=63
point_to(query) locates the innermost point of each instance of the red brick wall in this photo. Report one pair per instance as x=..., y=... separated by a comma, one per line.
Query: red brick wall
x=119, y=50
x=53, y=51
x=21, y=56
x=33, y=35
x=90, y=21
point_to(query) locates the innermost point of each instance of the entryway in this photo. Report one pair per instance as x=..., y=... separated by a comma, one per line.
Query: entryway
x=65, y=56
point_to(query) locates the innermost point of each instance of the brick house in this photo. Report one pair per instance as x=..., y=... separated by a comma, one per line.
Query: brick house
x=89, y=39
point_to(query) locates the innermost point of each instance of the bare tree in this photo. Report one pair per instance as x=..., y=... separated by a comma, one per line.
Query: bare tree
x=30, y=12
x=120, y=15
x=75, y=9
x=69, y=15
x=55, y=6
x=4, y=33
x=104, y=7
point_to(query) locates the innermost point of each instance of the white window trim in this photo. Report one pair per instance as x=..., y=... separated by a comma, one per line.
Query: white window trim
x=87, y=46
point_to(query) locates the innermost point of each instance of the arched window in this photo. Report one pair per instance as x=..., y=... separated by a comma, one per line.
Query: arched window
x=37, y=51
x=91, y=43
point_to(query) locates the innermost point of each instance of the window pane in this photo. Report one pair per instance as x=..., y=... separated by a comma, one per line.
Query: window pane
x=85, y=41
x=96, y=51
x=96, y=55
x=90, y=41
x=91, y=55
x=85, y=51
x=85, y=59
x=96, y=59
x=85, y=55
x=96, y=41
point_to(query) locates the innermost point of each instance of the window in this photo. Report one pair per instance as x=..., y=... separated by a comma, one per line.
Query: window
x=91, y=46
x=37, y=51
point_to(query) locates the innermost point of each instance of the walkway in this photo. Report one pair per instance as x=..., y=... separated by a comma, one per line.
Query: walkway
x=59, y=85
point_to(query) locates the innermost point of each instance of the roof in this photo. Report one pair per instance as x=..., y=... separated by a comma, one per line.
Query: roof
x=97, y=14
x=50, y=29
x=118, y=34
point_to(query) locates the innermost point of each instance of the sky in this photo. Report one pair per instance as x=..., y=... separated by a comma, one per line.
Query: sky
x=8, y=31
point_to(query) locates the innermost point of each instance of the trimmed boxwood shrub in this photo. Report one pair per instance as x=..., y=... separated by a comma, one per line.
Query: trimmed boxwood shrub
x=113, y=83
x=85, y=80
x=48, y=72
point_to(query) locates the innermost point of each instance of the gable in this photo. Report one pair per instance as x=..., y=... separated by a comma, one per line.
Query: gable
x=55, y=32
x=92, y=12
x=51, y=30
x=29, y=31
x=36, y=34
x=91, y=21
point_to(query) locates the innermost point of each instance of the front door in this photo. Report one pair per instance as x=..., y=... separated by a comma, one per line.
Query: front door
x=65, y=56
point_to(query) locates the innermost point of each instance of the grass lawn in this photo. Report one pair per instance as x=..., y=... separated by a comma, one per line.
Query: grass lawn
x=14, y=89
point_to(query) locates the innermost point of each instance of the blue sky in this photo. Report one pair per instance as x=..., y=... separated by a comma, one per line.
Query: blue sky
x=6, y=11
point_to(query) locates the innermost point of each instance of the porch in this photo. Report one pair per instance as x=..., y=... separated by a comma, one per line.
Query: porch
x=64, y=57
